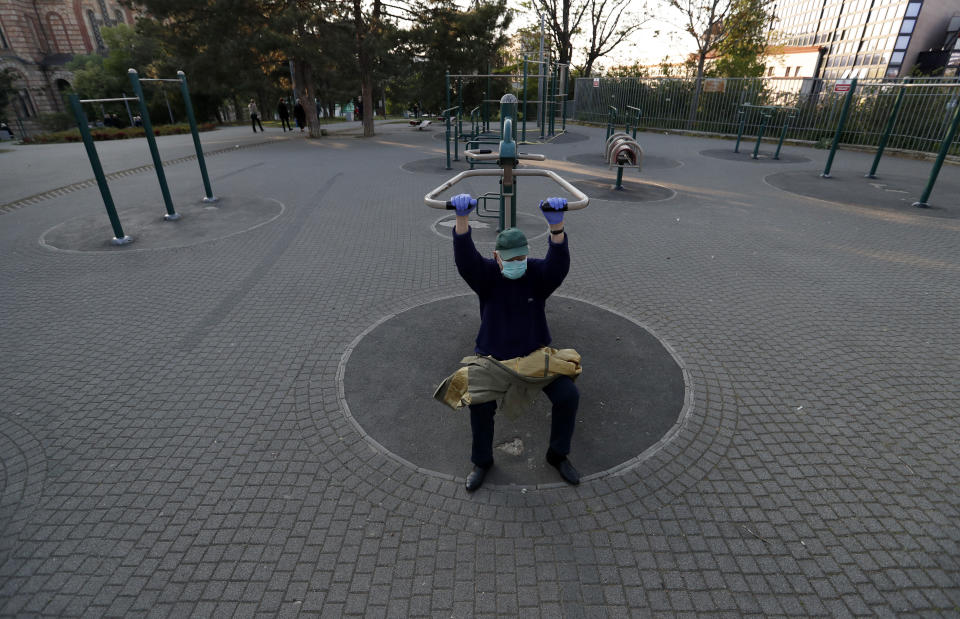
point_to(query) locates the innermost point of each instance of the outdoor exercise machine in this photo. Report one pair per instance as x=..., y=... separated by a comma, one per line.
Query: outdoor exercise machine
x=631, y=125
x=76, y=105
x=766, y=112
x=552, y=100
x=945, y=144
x=507, y=158
x=623, y=152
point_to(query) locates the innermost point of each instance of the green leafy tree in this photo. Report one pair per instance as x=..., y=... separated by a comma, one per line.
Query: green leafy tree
x=741, y=53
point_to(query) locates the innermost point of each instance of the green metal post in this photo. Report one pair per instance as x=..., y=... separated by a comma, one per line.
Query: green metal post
x=456, y=136
x=566, y=90
x=843, y=121
x=944, y=149
x=459, y=95
x=887, y=131
x=543, y=100
x=152, y=143
x=119, y=238
x=636, y=119
x=783, y=134
x=447, y=138
x=619, y=185
x=185, y=90
x=743, y=121
x=764, y=117
x=447, y=82
x=523, y=131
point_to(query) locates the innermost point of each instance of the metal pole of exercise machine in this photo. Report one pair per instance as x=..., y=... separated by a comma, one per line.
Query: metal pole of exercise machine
x=540, y=72
x=185, y=91
x=508, y=160
x=636, y=120
x=888, y=130
x=783, y=133
x=764, y=117
x=152, y=142
x=119, y=238
x=843, y=121
x=126, y=104
x=524, y=130
x=459, y=127
x=944, y=149
x=743, y=121
x=566, y=89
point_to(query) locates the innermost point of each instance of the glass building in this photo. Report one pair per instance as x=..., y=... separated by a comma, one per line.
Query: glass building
x=863, y=38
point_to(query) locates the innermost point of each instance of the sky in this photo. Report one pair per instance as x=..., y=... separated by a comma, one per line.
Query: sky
x=643, y=47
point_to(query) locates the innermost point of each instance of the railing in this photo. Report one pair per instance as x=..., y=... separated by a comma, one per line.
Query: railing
x=926, y=107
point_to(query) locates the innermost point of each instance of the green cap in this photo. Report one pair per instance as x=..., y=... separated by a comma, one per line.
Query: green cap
x=511, y=243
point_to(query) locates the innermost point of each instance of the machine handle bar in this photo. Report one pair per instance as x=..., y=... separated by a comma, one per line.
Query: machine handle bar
x=581, y=200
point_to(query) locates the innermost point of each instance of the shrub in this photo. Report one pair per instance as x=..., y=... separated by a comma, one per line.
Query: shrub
x=110, y=133
x=56, y=121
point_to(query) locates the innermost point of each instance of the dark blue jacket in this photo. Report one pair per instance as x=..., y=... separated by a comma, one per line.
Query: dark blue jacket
x=513, y=322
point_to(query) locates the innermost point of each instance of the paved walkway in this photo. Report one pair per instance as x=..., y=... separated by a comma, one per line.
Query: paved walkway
x=173, y=429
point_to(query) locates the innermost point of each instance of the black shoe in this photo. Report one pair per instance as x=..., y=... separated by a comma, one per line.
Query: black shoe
x=566, y=469
x=475, y=478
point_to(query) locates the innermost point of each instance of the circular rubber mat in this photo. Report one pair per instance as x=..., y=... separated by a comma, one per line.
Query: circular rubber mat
x=632, y=191
x=631, y=391
x=198, y=223
x=887, y=191
x=746, y=154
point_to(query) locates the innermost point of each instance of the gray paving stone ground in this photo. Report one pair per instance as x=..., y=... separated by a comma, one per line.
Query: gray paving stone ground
x=172, y=439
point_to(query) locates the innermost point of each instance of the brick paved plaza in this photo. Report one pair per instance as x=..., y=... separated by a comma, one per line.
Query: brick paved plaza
x=179, y=434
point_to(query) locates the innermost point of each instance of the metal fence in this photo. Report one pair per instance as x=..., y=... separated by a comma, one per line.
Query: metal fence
x=926, y=108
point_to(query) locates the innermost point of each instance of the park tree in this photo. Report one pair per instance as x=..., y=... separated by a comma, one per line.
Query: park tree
x=446, y=38
x=741, y=53
x=608, y=24
x=703, y=21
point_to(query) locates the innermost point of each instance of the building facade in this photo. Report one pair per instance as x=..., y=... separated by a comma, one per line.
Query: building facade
x=38, y=38
x=863, y=38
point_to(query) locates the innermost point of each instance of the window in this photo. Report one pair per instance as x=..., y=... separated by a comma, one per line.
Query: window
x=786, y=72
x=907, y=26
x=893, y=72
x=896, y=57
x=902, y=42
x=770, y=72
x=796, y=72
x=913, y=9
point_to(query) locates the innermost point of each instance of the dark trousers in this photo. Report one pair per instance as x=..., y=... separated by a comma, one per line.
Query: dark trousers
x=565, y=398
x=285, y=123
x=254, y=121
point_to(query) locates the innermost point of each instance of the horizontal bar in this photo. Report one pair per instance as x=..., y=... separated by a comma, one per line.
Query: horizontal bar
x=158, y=79
x=581, y=198
x=106, y=100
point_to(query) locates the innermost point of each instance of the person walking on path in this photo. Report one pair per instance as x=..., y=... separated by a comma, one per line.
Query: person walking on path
x=254, y=116
x=301, y=115
x=284, y=113
x=514, y=361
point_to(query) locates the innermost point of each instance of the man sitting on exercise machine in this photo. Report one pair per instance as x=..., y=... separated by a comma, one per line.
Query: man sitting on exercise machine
x=512, y=345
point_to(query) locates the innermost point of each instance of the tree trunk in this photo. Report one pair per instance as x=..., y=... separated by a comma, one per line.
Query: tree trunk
x=698, y=86
x=303, y=72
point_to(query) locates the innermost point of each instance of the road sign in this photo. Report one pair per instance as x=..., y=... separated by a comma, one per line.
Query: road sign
x=842, y=86
x=596, y=82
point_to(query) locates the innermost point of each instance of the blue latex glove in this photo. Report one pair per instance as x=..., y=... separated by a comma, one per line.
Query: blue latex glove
x=463, y=203
x=551, y=209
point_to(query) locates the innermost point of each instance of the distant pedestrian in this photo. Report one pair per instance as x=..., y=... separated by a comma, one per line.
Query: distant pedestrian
x=284, y=115
x=359, y=107
x=255, y=116
x=301, y=115
x=416, y=111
